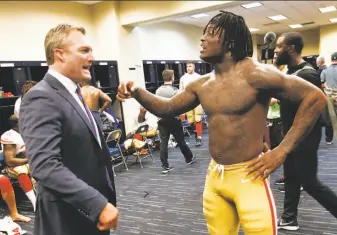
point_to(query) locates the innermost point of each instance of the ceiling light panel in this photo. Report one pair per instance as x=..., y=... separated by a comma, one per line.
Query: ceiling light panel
x=277, y=17
x=327, y=9
x=295, y=26
x=251, y=5
x=197, y=16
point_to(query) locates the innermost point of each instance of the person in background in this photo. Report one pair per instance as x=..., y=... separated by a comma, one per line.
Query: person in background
x=25, y=88
x=15, y=156
x=7, y=194
x=320, y=61
x=92, y=97
x=300, y=167
x=168, y=126
x=194, y=116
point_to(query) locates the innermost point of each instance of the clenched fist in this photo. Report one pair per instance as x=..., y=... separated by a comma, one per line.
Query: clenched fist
x=108, y=218
x=126, y=90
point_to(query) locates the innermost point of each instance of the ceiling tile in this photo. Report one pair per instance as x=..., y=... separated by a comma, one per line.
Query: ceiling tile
x=297, y=11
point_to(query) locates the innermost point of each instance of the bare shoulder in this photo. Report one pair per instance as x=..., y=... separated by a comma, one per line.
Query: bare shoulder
x=201, y=80
x=260, y=75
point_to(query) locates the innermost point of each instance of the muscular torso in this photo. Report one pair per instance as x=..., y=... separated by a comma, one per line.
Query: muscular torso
x=91, y=97
x=236, y=115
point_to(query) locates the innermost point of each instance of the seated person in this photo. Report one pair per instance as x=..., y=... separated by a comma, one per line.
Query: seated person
x=15, y=159
x=145, y=117
x=25, y=88
x=7, y=194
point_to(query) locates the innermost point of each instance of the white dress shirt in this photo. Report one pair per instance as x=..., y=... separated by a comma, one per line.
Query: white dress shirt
x=72, y=87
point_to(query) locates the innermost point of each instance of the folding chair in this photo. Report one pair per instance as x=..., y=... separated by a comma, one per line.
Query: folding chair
x=204, y=119
x=115, y=149
x=137, y=147
x=186, y=125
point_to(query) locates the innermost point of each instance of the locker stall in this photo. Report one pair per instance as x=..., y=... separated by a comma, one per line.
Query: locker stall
x=14, y=74
x=153, y=71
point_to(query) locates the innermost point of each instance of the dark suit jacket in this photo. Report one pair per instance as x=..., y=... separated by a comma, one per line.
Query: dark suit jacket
x=66, y=160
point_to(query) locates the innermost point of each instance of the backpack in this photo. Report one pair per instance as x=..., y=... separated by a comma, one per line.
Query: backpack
x=324, y=119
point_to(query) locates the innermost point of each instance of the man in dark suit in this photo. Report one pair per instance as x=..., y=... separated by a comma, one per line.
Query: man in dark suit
x=66, y=151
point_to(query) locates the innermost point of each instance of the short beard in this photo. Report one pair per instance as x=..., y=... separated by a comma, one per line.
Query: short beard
x=282, y=59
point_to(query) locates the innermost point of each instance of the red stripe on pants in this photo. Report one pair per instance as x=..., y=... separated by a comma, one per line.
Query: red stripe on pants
x=272, y=206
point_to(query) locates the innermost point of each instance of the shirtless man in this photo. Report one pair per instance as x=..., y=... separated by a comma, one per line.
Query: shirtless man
x=92, y=96
x=194, y=116
x=236, y=98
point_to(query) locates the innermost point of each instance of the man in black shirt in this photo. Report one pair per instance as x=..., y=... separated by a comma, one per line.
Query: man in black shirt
x=300, y=168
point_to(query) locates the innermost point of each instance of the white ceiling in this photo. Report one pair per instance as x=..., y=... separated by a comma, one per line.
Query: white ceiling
x=297, y=12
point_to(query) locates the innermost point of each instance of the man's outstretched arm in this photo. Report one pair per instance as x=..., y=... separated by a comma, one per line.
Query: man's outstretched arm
x=159, y=106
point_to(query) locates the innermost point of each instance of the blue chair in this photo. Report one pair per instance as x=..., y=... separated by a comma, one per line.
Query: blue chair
x=2, y=163
x=115, y=149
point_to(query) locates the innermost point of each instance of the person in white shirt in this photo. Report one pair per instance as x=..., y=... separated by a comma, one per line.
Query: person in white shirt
x=25, y=88
x=194, y=116
x=144, y=117
x=14, y=152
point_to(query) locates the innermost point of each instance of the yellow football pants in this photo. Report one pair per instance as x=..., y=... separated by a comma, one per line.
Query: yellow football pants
x=14, y=172
x=230, y=199
x=194, y=115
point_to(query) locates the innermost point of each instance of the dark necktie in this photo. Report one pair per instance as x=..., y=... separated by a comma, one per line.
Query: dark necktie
x=78, y=92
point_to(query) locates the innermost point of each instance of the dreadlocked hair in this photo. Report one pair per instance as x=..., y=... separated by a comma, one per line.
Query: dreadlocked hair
x=27, y=86
x=237, y=37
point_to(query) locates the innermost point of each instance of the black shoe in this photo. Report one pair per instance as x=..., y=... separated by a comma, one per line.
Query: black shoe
x=166, y=170
x=290, y=225
x=198, y=142
x=280, y=181
x=192, y=160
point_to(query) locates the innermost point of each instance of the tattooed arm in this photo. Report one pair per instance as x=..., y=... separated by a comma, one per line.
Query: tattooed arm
x=160, y=106
x=311, y=102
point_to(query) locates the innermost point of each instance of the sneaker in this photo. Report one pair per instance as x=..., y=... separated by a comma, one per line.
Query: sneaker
x=198, y=142
x=328, y=143
x=290, y=225
x=282, y=190
x=192, y=160
x=166, y=170
x=280, y=181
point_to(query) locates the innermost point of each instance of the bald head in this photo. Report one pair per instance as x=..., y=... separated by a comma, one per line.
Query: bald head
x=320, y=61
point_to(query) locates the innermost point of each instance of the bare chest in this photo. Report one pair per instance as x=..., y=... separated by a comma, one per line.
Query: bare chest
x=227, y=98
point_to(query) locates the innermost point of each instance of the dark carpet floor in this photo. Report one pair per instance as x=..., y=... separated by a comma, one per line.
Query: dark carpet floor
x=152, y=203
